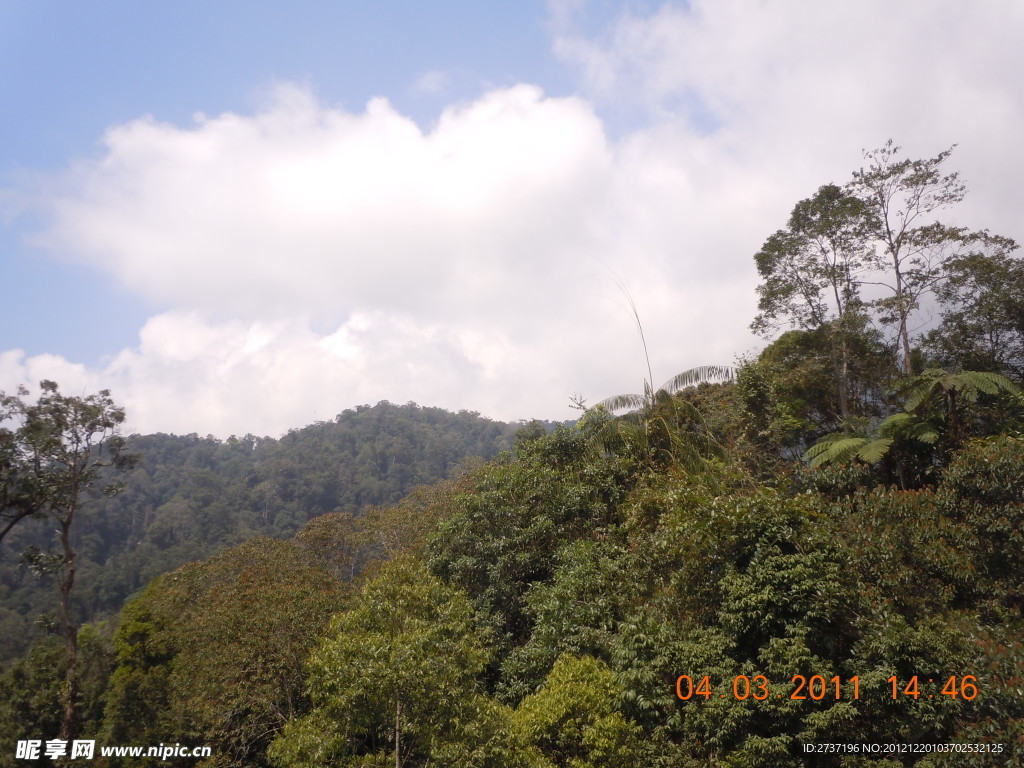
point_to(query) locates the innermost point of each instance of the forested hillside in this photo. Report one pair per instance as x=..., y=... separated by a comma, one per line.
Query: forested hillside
x=820, y=546
x=190, y=497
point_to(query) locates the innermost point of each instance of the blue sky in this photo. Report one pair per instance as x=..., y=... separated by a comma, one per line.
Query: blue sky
x=75, y=69
x=243, y=217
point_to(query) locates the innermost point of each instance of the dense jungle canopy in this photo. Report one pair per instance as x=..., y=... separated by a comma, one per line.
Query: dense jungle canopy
x=819, y=545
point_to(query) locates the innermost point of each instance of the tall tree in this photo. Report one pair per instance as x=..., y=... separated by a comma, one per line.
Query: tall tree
x=215, y=651
x=982, y=302
x=901, y=199
x=52, y=464
x=812, y=272
x=395, y=681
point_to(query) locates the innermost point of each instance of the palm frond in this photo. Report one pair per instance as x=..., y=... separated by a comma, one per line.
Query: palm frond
x=621, y=402
x=704, y=374
x=700, y=375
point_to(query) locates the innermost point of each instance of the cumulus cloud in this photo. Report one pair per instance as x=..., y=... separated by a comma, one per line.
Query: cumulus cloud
x=312, y=258
x=810, y=83
x=192, y=373
x=305, y=208
x=315, y=256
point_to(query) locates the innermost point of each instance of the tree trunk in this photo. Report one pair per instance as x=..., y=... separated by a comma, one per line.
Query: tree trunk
x=841, y=367
x=903, y=336
x=70, y=690
x=908, y=366
x=844, y=379
x=398, y=725
x=956, y=438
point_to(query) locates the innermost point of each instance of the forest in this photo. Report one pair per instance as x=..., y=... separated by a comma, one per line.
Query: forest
x=187, y=498
x=818, y=545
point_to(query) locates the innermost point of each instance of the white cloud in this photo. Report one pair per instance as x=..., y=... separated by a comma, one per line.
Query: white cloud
x=190, y=373
x=311, y=258
x=467, y=267
x=303, y=208
x=811, y=83
x=16, y=369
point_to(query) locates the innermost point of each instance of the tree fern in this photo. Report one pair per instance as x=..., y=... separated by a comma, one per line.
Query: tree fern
x=837, y=447
x=967, y=384
x=916, y=423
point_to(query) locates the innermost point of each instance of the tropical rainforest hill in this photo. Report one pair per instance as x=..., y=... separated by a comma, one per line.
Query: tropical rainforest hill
x=190, y=497
x=819, y=546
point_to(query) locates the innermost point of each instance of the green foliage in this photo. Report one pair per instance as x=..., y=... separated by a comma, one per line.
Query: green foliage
x=905, y=552
x=576, y=612
x=191, y=497
x=337, y=541
x=659, y=427
x=701, y=536
x=834, y=481
x=738, y=584
x=940, y=595
x=789, y=391
x=397, y=672
x=574, y=720
x=983, y=487
x=843, y=447
x=929, y=647
x=731, y=446
x=213, y=652
x=578, y=591
x=506, y=526
x=947, y=393
x=30, y=691
x=669, y=432
x=30, y=696
x=537, y=610
x=920, y=438
x=51, y=465
x=968, y=385
x=982, y=300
